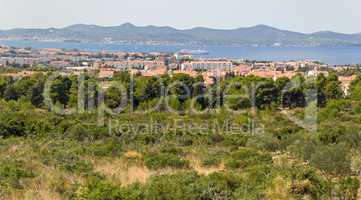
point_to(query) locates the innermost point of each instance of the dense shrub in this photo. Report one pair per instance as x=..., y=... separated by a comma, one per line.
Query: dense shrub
x=173, y=187
x=81, y=132
x=170, y=149
x=23, y=122
x=98, y=189
x=236, y=140
x=163, y=160
x=191, y=186
x=211, y=161
x=247, y=157
x=107, y=147
x=76, y=165
x=348, y=188
x=308, y=182
x=66, y=155
x=332, y=159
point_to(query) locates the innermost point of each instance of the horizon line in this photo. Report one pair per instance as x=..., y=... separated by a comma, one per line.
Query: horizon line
x=180, y=29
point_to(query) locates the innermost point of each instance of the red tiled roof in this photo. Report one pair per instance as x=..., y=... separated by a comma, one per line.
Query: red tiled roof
x=346, y=78
x=106, y=72
x=158, y=71
x=273, y=74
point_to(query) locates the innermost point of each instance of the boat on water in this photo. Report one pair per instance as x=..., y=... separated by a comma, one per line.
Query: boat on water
x=194, y=52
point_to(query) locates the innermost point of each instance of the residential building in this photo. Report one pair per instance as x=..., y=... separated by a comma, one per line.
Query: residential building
x=207, y=65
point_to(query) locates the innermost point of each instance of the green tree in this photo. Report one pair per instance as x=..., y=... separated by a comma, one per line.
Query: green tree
x=60, y=90
x=37, y=98
x=113, y=97
x=4, y=84
x=266, y=94
x=332, y=89
x=73, y=92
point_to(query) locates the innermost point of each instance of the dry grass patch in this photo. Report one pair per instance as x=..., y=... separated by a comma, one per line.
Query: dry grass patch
x=49, y=184
x=44, y=186
x=121, y=172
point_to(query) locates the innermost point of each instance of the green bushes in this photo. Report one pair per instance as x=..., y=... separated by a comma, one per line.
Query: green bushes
x=236, y=140
x=22, y=123
x=164, y=160
x=219, y=185
x=172, y=187
x=308, y=182
x=71, y=163
x=211, y=161
x=332, y=159
x=75, y=165
x=191, y=186
x=347, y=188
x=66, y=155
x=81, y=132
x=178, y=186
x=107, y=147
x=98, y=189
x=171, y=149
x=246, y=157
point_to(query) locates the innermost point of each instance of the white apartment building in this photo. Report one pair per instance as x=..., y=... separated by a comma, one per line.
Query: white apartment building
x=18, y=60
x=207, y=65
x=135, y=64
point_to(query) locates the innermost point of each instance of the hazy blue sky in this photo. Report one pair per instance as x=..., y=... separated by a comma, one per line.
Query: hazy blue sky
x=297, y=15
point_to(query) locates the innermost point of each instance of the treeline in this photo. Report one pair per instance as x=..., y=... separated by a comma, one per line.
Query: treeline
x=179, y=92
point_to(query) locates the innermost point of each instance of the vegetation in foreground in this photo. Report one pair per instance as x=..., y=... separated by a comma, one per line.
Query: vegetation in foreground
x=216, y=154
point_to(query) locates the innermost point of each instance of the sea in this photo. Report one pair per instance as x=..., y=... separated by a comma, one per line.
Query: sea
x=328, y=55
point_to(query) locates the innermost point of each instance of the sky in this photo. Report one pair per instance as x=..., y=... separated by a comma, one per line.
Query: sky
x=296, y=15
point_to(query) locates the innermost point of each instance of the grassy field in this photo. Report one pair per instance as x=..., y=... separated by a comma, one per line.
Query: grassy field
x=78, y=159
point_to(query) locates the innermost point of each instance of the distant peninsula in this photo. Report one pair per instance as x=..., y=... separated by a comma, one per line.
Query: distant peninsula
x=260, y=35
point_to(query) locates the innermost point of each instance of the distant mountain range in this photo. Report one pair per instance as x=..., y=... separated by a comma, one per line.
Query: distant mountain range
x=260, y=35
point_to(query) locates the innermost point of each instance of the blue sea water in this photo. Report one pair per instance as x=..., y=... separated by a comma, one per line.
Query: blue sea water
x=329, y=55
